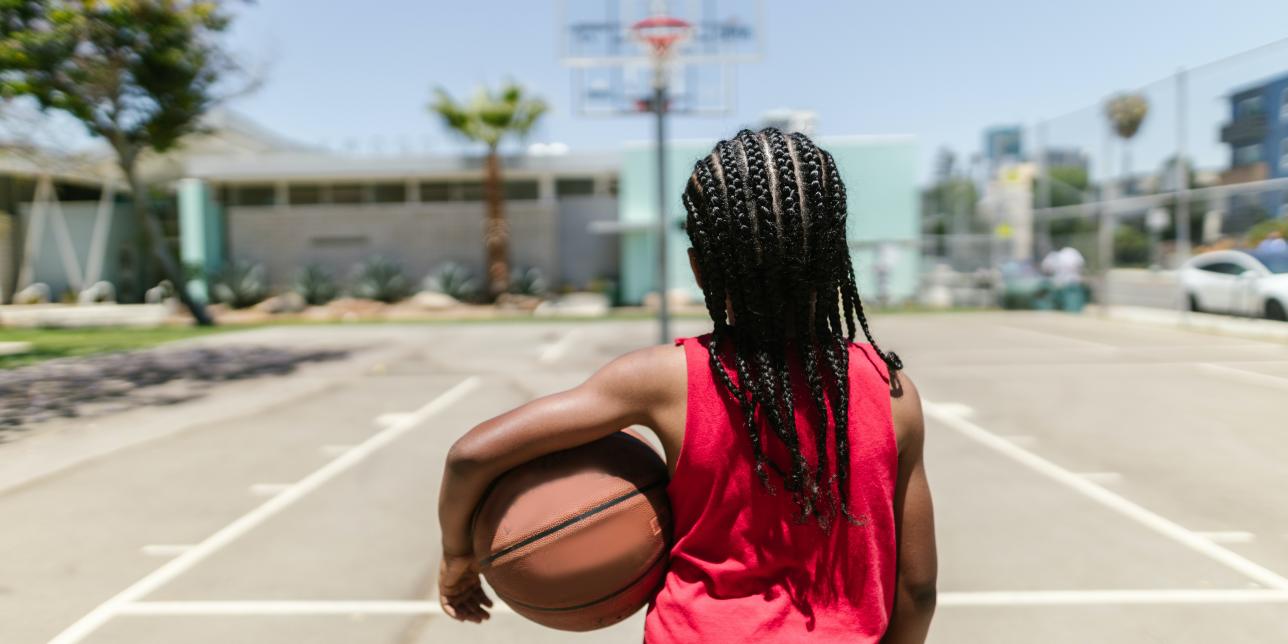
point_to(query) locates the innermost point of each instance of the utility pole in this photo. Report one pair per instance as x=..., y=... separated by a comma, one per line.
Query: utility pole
x=663, y=229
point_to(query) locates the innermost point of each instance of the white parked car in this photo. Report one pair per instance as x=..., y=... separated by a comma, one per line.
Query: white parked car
x=1240, y=282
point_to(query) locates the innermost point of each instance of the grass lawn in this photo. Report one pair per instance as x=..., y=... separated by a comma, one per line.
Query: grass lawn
x=59, y=343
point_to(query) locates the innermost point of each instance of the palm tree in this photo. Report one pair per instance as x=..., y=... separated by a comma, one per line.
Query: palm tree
x=1125, y=113
x=488, y=118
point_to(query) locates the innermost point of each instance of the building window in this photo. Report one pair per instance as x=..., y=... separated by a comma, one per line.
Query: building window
x=1249, y=106
x=1283, y=154
x=389, y=193
x=73, y=192
x=435, y=191
x=574, y=187
x=1283, y=105
x=254, y=195
x=348, y=193
x=339, y=241
x=469, y=191
x=304, y=194
x=1247, y=154
x=521, y=189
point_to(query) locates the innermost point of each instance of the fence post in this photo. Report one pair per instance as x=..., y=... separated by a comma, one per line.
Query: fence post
x=1042, y=222
x=1182, y=172
x=1105, y=233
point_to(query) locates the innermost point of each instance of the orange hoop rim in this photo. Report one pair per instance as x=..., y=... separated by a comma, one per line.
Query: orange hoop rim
x=661, y=33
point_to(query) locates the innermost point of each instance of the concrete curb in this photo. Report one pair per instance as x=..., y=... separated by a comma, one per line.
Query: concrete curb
x=1268, y=330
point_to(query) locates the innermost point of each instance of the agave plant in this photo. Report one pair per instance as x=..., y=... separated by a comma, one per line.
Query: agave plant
x=455, y=280
x=240, y=284
x=528, y=281
x=382, y=280
x=316, y=285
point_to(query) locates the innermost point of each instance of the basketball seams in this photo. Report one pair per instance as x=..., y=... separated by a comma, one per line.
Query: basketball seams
x=615, y=504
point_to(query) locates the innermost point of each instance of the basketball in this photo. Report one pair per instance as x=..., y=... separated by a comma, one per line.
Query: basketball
x=577, y=540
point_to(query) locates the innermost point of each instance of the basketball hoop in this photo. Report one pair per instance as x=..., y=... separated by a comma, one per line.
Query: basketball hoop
x=661, y=34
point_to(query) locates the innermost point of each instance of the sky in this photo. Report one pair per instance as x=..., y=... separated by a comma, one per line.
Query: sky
x=358, y=75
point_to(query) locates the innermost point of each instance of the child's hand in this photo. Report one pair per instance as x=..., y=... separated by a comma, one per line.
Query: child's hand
x=460, y=591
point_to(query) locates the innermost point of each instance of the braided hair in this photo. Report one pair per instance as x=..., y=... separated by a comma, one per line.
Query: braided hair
x=766, y=218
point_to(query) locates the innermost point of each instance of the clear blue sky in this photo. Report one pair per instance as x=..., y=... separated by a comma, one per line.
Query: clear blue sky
x=358, y=72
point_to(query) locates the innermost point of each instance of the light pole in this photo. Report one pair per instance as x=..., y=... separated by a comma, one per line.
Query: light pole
x=663, y=229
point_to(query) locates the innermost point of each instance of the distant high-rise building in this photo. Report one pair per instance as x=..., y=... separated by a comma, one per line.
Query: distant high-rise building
x=1003, y=144
x=1258, y=138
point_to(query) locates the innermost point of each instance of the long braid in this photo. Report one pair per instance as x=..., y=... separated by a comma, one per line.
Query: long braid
x=825, y=299
x=767, y=217
x=763, y=359
x=716, y=271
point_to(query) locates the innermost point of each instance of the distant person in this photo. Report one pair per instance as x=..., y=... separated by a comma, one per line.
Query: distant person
x=798, y=492
x=1065, y=268
x=1273, y=243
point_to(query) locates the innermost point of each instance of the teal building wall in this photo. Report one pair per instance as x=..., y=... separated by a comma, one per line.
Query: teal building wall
x=201, y=235
x=880, y=176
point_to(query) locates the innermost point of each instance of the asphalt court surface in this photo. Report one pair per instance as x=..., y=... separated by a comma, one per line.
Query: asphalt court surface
x=1093, y=480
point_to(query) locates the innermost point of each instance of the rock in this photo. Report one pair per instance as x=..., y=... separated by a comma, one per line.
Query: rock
x=163, y=291
x=289, y=302
x=516, y=302
x=98, y=293
x=432, y=301
x=575, y=305
x=36, y=293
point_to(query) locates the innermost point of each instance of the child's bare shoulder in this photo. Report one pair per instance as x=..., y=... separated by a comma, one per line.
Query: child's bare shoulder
x=905, y=408
x=652, y=370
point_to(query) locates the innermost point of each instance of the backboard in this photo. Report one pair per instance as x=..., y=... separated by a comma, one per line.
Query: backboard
x=613, y=72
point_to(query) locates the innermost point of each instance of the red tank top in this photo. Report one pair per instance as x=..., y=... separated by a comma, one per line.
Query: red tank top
x=742, y=569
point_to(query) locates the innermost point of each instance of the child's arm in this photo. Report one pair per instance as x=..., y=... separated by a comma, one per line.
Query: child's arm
x=914, y=602
x=635, y=389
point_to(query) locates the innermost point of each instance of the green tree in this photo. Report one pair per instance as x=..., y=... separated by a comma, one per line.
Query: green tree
x=137, y=73
x=489, y=118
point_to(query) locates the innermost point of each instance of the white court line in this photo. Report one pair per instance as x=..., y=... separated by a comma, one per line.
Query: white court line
x=269, y=489
x=229, y=533
x=361, y=607
x=1252, y=377
x=1090, y=344
x=1229, y=536
x=165, y=549
x=556, y=350
x=392, y=418
x=963, y=599
x=1109, y=499
x=1021, y=439
x=1112, y=597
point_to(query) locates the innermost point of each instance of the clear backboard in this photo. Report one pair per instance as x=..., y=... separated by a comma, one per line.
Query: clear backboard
x=613, y=71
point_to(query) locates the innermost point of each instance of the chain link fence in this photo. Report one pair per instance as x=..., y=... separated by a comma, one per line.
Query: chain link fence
x=1140, y=179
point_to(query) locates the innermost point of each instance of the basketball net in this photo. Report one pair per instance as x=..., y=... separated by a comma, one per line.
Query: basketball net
x=661, y=35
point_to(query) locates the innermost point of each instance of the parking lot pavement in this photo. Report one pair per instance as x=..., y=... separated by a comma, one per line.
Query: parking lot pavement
x=1094, y=481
